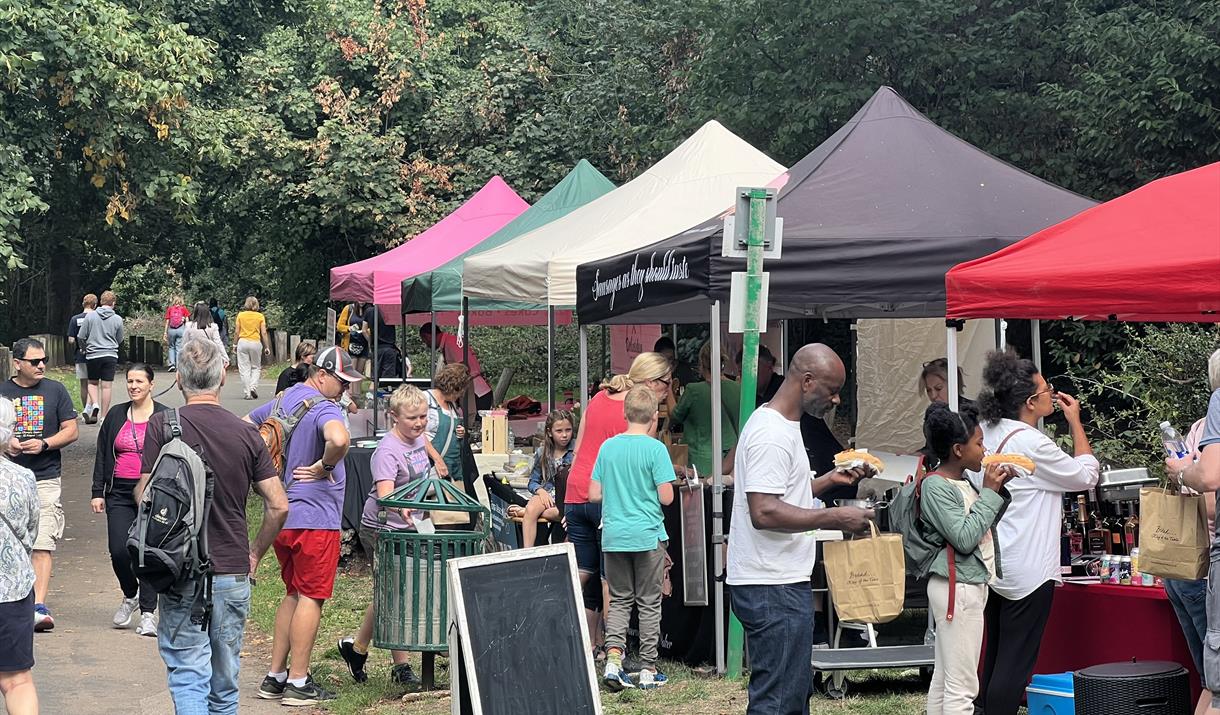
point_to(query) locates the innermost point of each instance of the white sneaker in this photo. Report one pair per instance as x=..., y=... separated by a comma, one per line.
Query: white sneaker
x=148, y=625
x=127, y=610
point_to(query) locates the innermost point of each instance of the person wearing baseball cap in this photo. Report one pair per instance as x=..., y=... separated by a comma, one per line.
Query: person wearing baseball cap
x=308, y=546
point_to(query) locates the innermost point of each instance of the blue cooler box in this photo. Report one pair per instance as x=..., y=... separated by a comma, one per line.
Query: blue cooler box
x=1051, y=695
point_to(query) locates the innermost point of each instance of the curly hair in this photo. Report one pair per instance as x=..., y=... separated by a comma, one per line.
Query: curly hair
x=1008, y=381
x=943, y=428
x=453, y=379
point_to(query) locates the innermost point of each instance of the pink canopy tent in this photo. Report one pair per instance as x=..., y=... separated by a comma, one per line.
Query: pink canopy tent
x=379, y=279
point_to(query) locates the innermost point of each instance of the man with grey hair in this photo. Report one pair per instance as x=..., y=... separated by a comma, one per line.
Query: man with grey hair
x=771, y=557
x=203, y=664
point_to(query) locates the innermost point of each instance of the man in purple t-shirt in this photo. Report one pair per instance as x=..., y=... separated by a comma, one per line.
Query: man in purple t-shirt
x=308, y=546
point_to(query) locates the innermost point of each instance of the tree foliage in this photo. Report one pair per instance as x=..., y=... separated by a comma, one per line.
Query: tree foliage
x=229, y=147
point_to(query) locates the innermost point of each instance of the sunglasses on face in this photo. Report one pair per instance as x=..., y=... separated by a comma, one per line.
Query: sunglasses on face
x=35, y=361
x=663, y=381
x=1050, y=389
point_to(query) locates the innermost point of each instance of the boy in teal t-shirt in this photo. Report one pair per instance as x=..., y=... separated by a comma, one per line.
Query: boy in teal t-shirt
x=633, y=477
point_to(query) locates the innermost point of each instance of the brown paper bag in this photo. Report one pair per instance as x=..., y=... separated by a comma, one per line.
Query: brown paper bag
x=1174, y=542
x=867, y=577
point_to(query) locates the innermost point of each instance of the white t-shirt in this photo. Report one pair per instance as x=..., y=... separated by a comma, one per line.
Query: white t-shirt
x=1030, y=529
x=770, y=459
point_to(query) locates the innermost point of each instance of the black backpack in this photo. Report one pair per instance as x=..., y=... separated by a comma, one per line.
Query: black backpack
x=168, y=540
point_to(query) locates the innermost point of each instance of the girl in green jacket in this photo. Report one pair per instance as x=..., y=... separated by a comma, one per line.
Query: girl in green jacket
x=965, y=520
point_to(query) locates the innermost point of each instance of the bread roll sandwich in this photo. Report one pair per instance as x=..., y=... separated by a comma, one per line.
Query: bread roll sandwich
x=1024, y=465
x=853, y=458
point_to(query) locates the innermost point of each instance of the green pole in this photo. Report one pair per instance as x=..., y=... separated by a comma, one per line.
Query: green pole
x=749, y=368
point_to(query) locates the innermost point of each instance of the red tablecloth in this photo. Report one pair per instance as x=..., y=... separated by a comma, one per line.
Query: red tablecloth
x=1091, y=624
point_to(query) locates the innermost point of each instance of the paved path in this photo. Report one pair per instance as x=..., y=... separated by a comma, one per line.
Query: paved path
x=84, y=665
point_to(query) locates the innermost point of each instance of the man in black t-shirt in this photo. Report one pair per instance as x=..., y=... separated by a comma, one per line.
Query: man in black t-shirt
x=389, y=357
x=89, y=304
x=769, y=381
x=238, y=459
x=46, y=423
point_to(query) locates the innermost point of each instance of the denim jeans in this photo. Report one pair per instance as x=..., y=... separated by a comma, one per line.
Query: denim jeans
x=778, y=622
x=1189, y=599
x=173, y=336
x=203, y=666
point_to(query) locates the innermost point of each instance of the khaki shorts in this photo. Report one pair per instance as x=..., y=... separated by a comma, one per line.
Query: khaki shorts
x=50, y=515
x=82, y=371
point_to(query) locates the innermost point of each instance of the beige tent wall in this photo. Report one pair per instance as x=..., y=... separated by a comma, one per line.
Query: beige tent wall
x=889, y=357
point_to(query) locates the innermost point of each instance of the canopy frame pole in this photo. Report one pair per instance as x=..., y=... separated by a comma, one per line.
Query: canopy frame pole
x=432, y=338
x=1035, y=341
x=584, y=367
x=1001, y=334
x=469, y=402
x=783, y=346
x=1035, y=349
x=951, y=329
x=549, y=402
x=717, y=489
x=376, y=369
x=402, y=346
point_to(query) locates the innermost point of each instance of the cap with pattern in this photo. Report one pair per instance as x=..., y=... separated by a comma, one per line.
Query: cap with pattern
x=338, y=361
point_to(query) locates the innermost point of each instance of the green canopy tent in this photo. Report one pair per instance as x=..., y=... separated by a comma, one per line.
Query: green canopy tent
x=440, y=290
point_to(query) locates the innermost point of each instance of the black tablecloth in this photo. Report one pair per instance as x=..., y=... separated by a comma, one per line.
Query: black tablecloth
x=359, y=467
x=688, y=633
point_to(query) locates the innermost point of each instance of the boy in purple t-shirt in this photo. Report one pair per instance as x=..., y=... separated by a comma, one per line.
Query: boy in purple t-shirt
x=308, y=546
x=404, y=455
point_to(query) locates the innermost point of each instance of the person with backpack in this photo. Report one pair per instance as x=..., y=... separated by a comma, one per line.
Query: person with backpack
x=201, y=326
x=102, y=333
x=117, y=466
x=1014, y=397
x=206, y=455
x=176, y=316
x=304, y=429
x=221, y=319
x=961, y=521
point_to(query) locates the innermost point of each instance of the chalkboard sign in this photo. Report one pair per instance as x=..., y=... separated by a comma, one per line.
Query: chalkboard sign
x=694, y=546
x=517, y=622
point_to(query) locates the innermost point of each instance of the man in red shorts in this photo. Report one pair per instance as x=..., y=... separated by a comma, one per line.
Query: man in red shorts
x=308, y=546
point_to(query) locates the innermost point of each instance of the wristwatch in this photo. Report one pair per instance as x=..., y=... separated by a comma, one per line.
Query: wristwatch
x=45, y=446
x=328, y=467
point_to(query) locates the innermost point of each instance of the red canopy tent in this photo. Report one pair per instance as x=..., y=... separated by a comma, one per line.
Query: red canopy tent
x=1150, y=255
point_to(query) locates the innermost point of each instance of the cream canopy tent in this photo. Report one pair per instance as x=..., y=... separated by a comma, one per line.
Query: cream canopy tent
x=689, y=185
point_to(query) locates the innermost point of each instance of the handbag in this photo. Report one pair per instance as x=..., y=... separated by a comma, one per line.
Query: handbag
x=1174, y=542
x=445, y=517
x=867, y=577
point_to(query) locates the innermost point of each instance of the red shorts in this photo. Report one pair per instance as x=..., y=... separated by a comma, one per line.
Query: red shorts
x=308, y=560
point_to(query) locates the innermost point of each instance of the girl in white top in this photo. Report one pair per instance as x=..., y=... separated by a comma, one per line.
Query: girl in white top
x=1014, y=398
x=202, y=327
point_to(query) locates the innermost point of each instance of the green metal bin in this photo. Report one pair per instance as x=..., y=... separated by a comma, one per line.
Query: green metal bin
x=410, y=570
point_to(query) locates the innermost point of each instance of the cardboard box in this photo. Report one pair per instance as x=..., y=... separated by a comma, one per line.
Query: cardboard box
x=495, y=432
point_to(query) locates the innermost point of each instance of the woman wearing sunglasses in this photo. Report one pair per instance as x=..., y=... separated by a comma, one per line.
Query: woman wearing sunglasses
x=1014, y=397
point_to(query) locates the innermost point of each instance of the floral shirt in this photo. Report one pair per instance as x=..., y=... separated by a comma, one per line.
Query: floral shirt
x=18, y=527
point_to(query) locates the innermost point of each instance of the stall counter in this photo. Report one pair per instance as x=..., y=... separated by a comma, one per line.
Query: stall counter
x=1093, y=623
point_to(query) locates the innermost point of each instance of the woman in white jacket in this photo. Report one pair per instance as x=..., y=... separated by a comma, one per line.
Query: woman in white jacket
x=202, y=326
x=1015, y=396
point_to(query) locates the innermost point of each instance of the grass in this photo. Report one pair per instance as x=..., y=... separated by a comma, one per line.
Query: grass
x=67, y=377
x=688, y=693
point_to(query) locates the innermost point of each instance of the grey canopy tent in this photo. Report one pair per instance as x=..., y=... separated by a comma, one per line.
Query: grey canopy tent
x=873, y=219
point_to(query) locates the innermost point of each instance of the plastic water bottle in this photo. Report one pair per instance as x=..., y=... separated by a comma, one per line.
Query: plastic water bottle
x=1175, y=446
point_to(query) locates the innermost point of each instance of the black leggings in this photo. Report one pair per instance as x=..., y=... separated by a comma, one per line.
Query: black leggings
x=120, y=514
x=1014, y=633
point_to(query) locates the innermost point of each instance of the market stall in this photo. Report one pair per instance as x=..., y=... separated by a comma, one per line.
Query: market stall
x=873, y=217
x=378, y=280
x=437, y=294
x=1150, y=255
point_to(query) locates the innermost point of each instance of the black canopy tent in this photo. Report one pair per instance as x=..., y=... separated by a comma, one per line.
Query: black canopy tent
x=873, y=219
